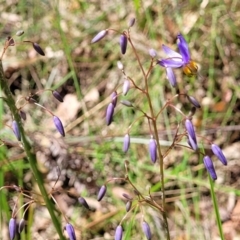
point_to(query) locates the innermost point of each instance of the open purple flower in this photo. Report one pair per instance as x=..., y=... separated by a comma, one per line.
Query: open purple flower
x=209, y=166
x=178, y=60
x=70, y=231
x=219, y=154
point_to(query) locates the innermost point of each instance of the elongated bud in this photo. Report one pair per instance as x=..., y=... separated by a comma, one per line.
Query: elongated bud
x=19, y=33
x=125, y=195
x=194, y=101
x=101, y=193
x=153, y=150
x=191, y=134
x=219, y=154
x=58, y=125
x=126, y=143
x=12, y=228
x=114, y=98
x=38, y=49
x=152, y=53
x=126, y=103
x=57, y=95
x=16, y=131
x=128, y=205
x=120, y=65
x=131, y=22
x=119, y=233
x=70, y=231
x=126, y=87
x=100, y=36
x=109, y=113
x=23, y=115
x=21, y=225
x=83, y=202
x=209, y=166
x=147, y=231
x=123, y=43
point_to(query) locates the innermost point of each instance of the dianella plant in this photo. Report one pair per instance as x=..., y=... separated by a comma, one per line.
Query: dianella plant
x=185, y=134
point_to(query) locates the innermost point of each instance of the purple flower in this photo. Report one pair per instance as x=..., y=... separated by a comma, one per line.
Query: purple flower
x=194, y=101
x=16, y=131
x=12, y=228
x=177, y=60
x=70, y=231
x=83, y=202
x=219, y=154
x=114, y=98
x=153, y=150
x=209, y=166
x=191, y=134
x=21, y=225
x=58, y=125
x=101, y=193
x=123, y=43
x=126, y=143
x=99, y=36
x=57, y=96
x=146, y=229
x=109, y=113
x=126, y=86
x=38, y=49
x=119, y=233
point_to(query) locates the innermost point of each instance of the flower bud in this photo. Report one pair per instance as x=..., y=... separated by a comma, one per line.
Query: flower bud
x=21, y=225
x=219, y=154
x=126, y=86
x=38, y=49
x=194, y=101
x=126, y=143
x=119, y=233
x=123, y=43
x=146, y=229
x=23, y=115
x=131, y=22
x=125, y=195
x=114, y=98
x=126, y=103
x=70, y=231
x=57, y=96
x=120, y=65
x=152, y=53
x=58, y=125
x=99, y=36
x=153, y=150
x=191, y=134
x=209, y=166
x=16, y=131
x=83, y=202
x=101, y=193
x=19, y=33
x=12, y=228
x=109, y=113
x=128, y=205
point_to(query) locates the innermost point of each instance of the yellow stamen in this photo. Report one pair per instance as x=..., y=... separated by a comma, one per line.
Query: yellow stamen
x=190, y=69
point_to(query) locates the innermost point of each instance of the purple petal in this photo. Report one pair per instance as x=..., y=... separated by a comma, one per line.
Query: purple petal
x=126, y=143
x=114, y=98
x=171, y=63
x=70, y=231
x=126, y=87
x=209, y=166
x=183, y=48
x=153, y=150
x=152, y=53
x=118, y=233
x=171, y=53
x=219, y=154
x=109, y=113
x=58, y=125
x=16, y=131
x=147, y=231
x=99, y=36
x=191, y=134
x=101, y=193
x=171, y=77
x=12, y=228
x=123, y=43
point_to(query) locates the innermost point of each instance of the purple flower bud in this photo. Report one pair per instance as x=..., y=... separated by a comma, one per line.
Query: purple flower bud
x=99, y=36
x=194, y=101
x=57, y=96
x=131, y=22
x=146, y=229
x=219, y=154
x=38, y=49
x=83, y=202
x=58, y=125
x=109, y=113
x=209, y=166
x=128, y=205
x=191, y=134
x=21, y=225
x=123, y=43
x=152, y=53
x=126, y=103
x=70, y=231
x=125, y=195
x=126, y=86
x=126, y=143
x=114, y=98
x=23, y=115
x=119, y=233
x=153, y=150
x=101, y=193
x=12, y=228
x=16, y=131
